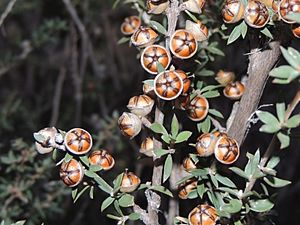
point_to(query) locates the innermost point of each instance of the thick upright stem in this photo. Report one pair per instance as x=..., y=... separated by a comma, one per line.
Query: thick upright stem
x=260, y=64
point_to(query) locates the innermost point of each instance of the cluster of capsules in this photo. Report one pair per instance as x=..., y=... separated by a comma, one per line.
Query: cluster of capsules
x=224, y=148
x=256, y=13
x=171, y=84
x=79, y=142
x=232, y=89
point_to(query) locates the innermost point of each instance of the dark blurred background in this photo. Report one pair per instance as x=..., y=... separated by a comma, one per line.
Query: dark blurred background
x=48, y=79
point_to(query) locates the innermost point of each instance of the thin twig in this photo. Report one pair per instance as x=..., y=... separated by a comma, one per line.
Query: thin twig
x=8, y=9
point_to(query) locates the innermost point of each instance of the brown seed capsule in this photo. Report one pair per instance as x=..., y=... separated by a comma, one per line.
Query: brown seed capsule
x=102, y=158
x=205, y=144
x=168, y=85
x=267, y=3
x=197, y=108
x=130, y=182
x=233, y=11
x=199, y=30
x=234, y=90
x=225, y=77
x=227, y=150
x=256, y=14
x=129, y=124
x=48, y=135
x=71, y=172
x=147, y=147
x=157, y=6
x=194, y=6
x=275, y=5
x=140, y=105
x=186, y=187
x=148, y=90
x=130, y=25
x=203, y=215
x=288, y=7
x=296, y=30
x=186, y=81
x=78, y=141
x=144, y=36
x=183, y=44
x=188, y=164
x=152, y=55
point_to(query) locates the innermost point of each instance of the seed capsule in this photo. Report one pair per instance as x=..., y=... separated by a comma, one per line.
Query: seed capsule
x=296, y=30
x=144, y=36
x=233, y=11
x=152, y=55
x=197, y=108
x=148, y=90
x=188, y=164
x=256, y=14
x=288, y=7
x=183, y=44
x=147, y=147
x=130, y=182
x=225, y=77
x=227, y=150
x=130, y=25
x=199, y=30
x=48, y=135
x=275, y=5
x=140, y=105
x=168, y=85
x=78, y=141
x=71, y=173
x=203, y=215
x=186, y=81
x=205, y=144
x=267, y=3
x=194, y=6
x=102, y=158
x=129, y=124
x=157, y=6
x=186, y=187
x=234, y=90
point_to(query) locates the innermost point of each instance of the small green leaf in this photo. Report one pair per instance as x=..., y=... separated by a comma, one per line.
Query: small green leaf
x=74, y=192
x=244, y=29
x=199, y=172
x=167, y=168
x=214, y=180
x=117, y=208
x=226, y=181
x=293, y=122
x=158, y=128
x=276, y=182
x=294, y=17
x=269, y=128
x=273, y=162
x=183, y=136
x=267, y=117
x=68, y=157
x=280, y=110
x=284, y=72
x=234, y=206
x=235, y=33
x=238, y=223
x=85, y=160
x=284, y=140
x=205, y=125
x=160, y=152
x=201, y=190
x=267, y=33
x=92, y=192
x=134, y=216
x=166, y=138
x=211, y=94
x=215, y=51
x=232, y=191
x=160, y=67
x=205, y=73
x=123, y=40
x=126, y=200
x=106, y=203
x=261, y=205
x=216, y=113
x=161, y=189
x=157, y=26
x=239, y=172
x=174, y=126
x=292, y=57
x=191, y=16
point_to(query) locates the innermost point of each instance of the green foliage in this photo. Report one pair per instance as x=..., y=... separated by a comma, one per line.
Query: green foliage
x=24, y=175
